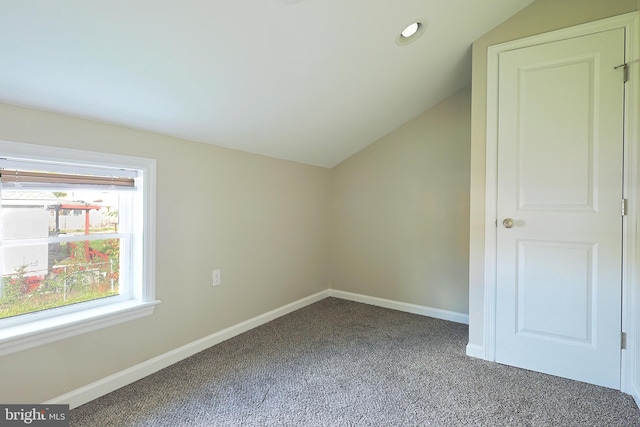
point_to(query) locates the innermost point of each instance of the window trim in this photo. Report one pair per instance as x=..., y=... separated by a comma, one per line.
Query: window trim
x=22, y=336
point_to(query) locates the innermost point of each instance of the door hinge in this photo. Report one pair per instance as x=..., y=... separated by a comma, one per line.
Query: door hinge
x=623, y=340
x=625, y=69
x=623, y=207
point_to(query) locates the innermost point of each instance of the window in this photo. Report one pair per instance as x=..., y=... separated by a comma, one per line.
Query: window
x=74, y=226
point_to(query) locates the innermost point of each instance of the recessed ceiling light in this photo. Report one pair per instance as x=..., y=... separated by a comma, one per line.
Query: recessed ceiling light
x=411, y=32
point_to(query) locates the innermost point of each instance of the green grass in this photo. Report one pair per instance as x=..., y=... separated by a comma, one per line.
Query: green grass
x=32, y=302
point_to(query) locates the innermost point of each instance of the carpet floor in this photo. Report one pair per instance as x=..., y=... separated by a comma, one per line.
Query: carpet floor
x=341, y=363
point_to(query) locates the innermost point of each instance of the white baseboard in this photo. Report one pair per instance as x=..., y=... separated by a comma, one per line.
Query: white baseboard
x=634, y=391
x=475, y=350
x=113, y=382
x=120, y=379
x=403, y=306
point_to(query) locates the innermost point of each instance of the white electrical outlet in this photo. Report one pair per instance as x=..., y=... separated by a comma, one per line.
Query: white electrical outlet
x=216, y=277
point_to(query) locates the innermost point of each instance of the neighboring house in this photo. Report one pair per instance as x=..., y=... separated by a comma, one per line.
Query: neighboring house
x=40, y=214
x=25, y=215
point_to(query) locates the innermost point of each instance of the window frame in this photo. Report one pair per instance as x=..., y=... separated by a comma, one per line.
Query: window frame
x=36, y=329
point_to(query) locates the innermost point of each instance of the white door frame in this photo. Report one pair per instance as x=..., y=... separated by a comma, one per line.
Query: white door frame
x=631, y=23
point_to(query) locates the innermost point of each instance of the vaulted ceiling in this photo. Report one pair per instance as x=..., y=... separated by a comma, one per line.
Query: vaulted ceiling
x=312, y=81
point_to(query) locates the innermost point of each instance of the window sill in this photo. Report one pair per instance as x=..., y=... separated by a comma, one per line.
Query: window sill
x=32, y=334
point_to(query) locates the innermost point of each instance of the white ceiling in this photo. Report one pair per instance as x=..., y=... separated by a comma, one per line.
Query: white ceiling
x=312, y=81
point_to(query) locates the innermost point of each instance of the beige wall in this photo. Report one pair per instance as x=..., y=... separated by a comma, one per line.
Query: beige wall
x=264, y=222
x=539, y=17
x=400, y=212
x=395, y=218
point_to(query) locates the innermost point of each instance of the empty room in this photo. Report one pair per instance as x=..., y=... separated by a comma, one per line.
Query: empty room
x=295, y=212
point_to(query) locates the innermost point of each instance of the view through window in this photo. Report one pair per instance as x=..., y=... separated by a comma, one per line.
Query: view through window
x=60, y=246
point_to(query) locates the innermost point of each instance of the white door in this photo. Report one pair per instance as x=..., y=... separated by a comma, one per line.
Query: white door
x=560, y=168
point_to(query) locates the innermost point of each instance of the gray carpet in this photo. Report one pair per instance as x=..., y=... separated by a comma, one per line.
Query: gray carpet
x=340, y=363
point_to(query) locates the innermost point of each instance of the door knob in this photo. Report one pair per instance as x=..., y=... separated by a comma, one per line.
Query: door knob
x=508, y=223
